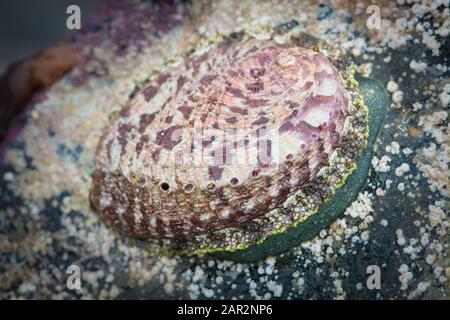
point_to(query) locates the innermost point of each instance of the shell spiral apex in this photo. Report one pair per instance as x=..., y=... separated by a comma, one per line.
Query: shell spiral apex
x=209, y=152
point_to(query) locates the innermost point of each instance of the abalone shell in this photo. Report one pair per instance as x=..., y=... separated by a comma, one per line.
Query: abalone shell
x=213, y=150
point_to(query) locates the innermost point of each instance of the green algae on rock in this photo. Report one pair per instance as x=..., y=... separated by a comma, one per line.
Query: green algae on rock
x=243, y=138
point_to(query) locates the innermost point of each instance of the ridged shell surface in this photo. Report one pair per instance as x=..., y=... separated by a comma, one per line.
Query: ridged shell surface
x=219, y=139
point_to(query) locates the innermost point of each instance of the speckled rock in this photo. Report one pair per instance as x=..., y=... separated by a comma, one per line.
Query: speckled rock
x=398, y=223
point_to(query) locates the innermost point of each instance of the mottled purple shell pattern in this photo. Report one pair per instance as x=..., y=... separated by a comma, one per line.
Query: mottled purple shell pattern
x=219, y=139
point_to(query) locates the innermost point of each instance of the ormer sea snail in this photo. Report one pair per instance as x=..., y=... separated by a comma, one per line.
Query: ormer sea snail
x=237, y=141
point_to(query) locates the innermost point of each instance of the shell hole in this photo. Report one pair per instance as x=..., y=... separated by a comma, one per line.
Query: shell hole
x=189, y=187
x=255, y=173
x=165, y=186
x=141, y=181
x=234, y=181
x=211, y=186
x=289, y=156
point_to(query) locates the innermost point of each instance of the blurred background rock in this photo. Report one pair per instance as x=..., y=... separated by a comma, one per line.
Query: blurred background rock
x=27, y=27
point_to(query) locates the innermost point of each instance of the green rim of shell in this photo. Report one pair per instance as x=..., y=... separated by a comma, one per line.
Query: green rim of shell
x=377, y=101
